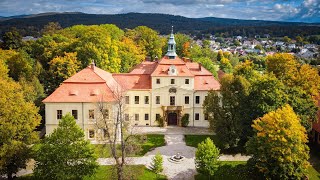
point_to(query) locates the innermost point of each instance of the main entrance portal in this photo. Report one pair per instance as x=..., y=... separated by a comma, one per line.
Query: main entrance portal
x=172, y=119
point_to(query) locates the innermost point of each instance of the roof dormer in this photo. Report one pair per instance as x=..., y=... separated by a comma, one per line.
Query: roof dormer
x=172, y=71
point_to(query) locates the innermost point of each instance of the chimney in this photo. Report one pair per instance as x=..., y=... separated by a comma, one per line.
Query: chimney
x=156, y=58
x=92, y=65
x=200, y=67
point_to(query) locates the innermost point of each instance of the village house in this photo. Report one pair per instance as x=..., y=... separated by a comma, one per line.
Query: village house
x=169, y=87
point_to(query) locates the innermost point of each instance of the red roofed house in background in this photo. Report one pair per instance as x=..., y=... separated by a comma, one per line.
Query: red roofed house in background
x=169, y=88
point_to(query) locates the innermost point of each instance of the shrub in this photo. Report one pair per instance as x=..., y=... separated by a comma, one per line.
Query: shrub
x=161, y=121
x=157, y=163
x=185, y=120
x=207, y=155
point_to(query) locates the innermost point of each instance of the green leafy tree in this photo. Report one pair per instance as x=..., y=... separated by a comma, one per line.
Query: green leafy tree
x=51, y=28
x=226, y=110
x=61, y=68
x=130, y=54
x=286, y=39
x=18, y=121
x=12, y=39
x=278, y=148
x=21, y=65
x=206, y=159
x=65, y=154
x=157, y=163
x=148, y=39
x=182, y=44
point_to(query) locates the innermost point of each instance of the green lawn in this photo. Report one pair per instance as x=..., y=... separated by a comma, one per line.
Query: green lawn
x=194, y=140
x=152, y=141
x=138, y=172
x=237, y=170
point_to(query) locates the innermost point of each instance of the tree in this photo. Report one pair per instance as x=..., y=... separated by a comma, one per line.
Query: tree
x=278, y=147
x=157, y=163
x=225, y=65
x=116, y=131
x=51, y=28
x=286, y=39
x=148, y=39
x=182, y=45
x=65, y=154
x=61, y=68
x=12, y=39
x=206, y=159
x=225, y=110
x=21, y=65
x=130, y=54
x=18, y=121
x=220, y=56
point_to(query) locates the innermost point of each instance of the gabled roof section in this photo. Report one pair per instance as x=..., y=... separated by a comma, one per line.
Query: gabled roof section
x=162, y=70
x=91, y=84
x=86, y=75
x=133, y=81
x=146, y=67
x=205, y=83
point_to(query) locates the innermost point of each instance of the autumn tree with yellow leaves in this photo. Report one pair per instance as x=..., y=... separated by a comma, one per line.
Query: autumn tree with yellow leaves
x=278, y=148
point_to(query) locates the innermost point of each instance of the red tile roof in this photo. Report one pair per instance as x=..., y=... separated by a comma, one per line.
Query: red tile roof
x=162, y=70
x=80, y=92
x=176, y=61
x=145, y=67
x=133, y=81
x=91, y=84
x=204, y=83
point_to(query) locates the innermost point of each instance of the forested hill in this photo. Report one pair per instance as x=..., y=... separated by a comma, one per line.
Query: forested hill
x=32, y=24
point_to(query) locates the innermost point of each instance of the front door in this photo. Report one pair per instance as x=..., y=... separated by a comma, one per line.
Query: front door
x=172, y=119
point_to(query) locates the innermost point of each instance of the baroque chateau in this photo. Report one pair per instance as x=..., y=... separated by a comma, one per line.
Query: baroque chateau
x=169, y=87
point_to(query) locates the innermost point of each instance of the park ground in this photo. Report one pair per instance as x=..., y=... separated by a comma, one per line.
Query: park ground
x=172, y=140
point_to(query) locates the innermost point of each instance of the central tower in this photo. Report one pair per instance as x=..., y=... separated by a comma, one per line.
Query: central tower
x=171, y=46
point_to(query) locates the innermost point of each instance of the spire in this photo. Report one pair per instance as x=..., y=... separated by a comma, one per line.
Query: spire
x=171, y=53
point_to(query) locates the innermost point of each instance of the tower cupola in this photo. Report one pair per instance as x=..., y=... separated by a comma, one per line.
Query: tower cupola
x=171, y=53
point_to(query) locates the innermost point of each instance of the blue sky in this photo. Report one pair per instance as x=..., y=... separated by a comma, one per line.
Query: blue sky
x=279, y=10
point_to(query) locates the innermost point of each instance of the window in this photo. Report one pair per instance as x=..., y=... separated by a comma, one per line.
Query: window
x=136, y=117
x=126, y=117
x=146, y=117
x=186, y=81
x=172, y=81
x=136, y=99
x=197, y=116
x=158, y=116
x=91, y=133
x=59, y=114
x=206, y=116
x=127, y=99
x=197, y=99
x=91, y=114
x=186, y=99
x=146, y=100
x=172, y=100
x=75, y=114
x=158, y=81
x=105, y=113
x=157, y=99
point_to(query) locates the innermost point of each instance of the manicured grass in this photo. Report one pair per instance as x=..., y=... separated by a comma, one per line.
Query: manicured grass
x=138, y=172
x=237, y=170
x=152, y=141
x=194, y=140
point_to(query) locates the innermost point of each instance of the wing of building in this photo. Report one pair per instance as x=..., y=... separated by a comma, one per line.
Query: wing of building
x=169, y=87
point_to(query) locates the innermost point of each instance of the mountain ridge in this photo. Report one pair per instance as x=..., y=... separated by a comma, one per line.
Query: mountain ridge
x=32, y=24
